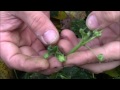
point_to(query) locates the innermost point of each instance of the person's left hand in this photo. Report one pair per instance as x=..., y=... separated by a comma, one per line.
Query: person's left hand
x=23, y=38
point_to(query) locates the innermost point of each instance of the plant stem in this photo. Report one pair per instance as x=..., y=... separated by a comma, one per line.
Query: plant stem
x=76, y=47
x=81, y=43
x=15, y=74
x=94, y=53
x=90, y=50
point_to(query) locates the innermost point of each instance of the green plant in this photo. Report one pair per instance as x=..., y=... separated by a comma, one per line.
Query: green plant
x=54, y=50
x=66, y=73
x=86, y=37
x=74, y=72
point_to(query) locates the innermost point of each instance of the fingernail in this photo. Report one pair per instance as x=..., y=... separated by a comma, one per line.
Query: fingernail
x=49, y=37
x=92, y=22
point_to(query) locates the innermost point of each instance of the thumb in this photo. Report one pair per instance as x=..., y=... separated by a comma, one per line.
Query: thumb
x=101, y=19
x=41, y=25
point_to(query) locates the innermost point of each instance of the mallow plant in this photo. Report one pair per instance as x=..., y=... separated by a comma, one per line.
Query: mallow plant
x=86, y=37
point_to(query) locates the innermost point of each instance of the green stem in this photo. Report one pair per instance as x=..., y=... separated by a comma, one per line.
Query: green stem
x=90, y=50
x=84, y=42
x=94, y=53
x=81, y=43
x=76, y=47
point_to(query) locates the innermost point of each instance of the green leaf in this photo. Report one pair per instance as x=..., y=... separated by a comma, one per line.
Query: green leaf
x=82, y=32
x=76, y=24
x=71, y=73
x=33, y=76
x=97, y=33
x=115, y=73
x=54, y=13
x=60, y=15
x=75, y=73
x=65, y=73
x=54, y=50
x=49, y=48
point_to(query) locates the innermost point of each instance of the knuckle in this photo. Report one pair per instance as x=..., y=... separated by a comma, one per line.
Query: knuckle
x=38, y=21
x=110, y=16
x=44, y=65
x=98, y=70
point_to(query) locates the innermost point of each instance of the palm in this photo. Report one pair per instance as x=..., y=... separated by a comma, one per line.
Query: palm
x=28, y=43
x=110, y=34
x=111, y=37
x=17, y=46
x=107, y=44
x=21, y=49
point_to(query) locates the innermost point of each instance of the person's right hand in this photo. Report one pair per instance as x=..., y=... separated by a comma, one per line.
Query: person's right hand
x=23, y=36
x=108, y=44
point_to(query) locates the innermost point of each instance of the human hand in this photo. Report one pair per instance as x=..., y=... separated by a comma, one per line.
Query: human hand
x=108, y=44
x=23, y=37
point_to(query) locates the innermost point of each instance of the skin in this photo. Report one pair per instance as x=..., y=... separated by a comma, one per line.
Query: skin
x=23, y=41
x=22, y=44
x=108, y=44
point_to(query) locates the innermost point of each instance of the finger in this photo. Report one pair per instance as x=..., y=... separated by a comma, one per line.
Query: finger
x=107, y=36
x=13, y=58
x=115, y=27
x=68, y=34
x=110, y=51
x=8, y=22
x=101, y=67
x=54, y=63
x=47, y=13
x=101, y=19
x=37, y=46
x=55, y=66
x=50, y=71
x=26, y=50
x=40, y=24
x=65, y=46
